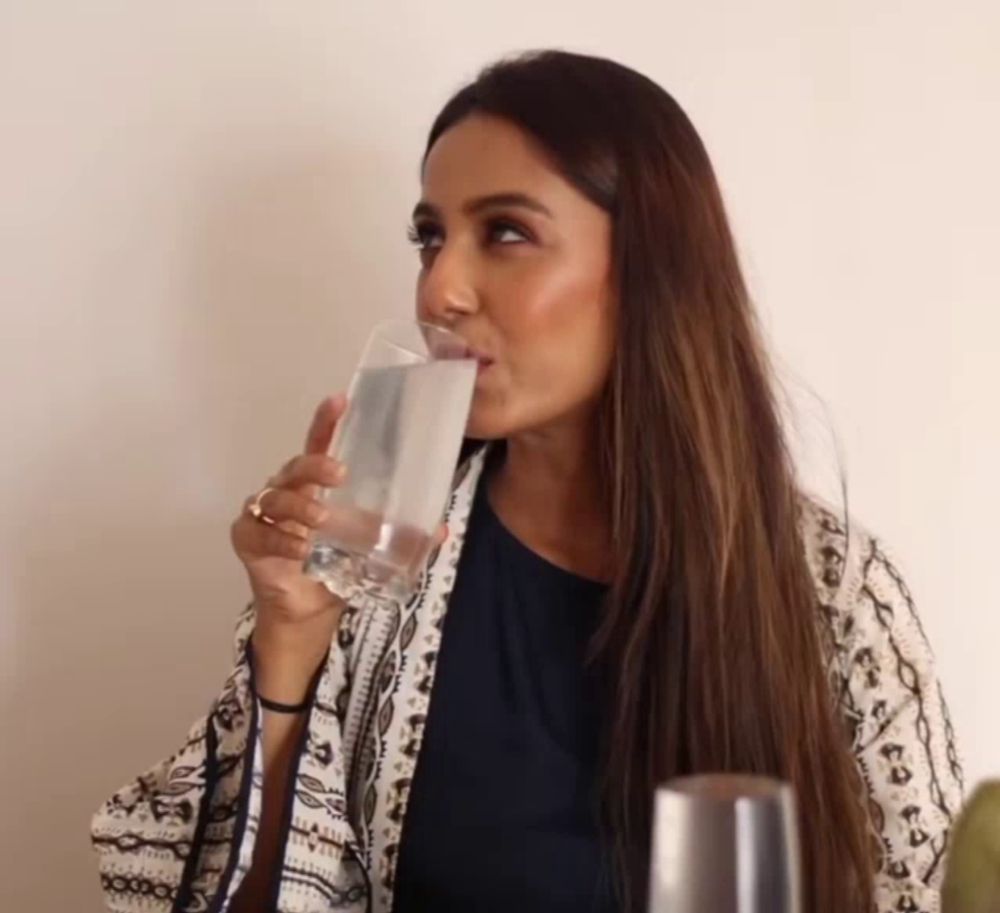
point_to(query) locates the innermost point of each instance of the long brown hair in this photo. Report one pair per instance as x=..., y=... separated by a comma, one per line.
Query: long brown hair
x=711, y=637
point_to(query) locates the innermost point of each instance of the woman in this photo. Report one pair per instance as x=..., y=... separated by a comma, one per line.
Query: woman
x=634, y=586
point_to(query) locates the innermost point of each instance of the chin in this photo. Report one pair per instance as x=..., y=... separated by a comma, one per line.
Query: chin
x=498, y=419
x=483, y=429
x=488, y=421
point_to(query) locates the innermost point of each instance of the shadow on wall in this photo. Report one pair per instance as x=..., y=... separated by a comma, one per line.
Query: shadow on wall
x=126, y=584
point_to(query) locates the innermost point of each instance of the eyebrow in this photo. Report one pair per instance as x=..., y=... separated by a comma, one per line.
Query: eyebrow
x=491, y=201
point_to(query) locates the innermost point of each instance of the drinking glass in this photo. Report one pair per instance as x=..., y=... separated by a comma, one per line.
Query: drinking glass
x=725, y=843
x=399, y=437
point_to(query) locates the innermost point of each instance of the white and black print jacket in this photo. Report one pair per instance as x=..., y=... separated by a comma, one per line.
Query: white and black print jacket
x=180, y=837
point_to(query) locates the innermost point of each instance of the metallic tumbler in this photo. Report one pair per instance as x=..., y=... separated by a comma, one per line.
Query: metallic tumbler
x=725, y=843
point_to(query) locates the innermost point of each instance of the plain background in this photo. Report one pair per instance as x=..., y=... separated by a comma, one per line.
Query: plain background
x=202, y=212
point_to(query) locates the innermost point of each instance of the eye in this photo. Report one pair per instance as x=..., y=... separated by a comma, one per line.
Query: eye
x=497, y=228
x=427, y=237
x=422, y=234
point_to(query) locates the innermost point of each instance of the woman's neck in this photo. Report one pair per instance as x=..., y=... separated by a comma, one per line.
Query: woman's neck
x=546, y=490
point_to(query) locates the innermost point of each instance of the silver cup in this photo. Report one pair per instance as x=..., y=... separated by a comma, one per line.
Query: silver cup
x=725, y=843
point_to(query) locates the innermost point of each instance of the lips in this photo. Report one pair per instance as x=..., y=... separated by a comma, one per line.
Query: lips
x=484, y=360
x=456, y=347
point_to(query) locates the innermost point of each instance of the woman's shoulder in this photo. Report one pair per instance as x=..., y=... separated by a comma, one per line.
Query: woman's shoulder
x=883, y=678
x=881, y=657
x=875, y=633
x=856, y=575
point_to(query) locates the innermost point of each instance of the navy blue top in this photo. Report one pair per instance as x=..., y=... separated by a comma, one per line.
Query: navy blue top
x=502, y=812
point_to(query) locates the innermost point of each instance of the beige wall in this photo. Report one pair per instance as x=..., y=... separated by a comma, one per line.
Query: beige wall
x=202, y=210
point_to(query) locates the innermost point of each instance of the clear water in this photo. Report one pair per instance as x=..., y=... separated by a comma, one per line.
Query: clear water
x=399, y=439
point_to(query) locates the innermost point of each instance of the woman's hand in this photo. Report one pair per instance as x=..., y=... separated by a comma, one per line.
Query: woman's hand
x=296, y=614
x=273, y=554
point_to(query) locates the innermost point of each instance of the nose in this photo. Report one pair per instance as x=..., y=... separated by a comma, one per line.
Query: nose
x=445, y=290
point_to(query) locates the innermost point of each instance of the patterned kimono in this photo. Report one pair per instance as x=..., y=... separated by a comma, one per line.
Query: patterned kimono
x=180, y=837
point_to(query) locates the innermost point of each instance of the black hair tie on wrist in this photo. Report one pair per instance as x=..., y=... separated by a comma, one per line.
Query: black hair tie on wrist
x=283, y=708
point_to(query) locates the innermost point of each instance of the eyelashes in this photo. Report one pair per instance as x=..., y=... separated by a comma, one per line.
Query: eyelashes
x=421, y=234
x=417, y=235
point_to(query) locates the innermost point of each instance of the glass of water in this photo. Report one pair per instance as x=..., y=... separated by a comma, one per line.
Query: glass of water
x=725, y=843
x=399, y=437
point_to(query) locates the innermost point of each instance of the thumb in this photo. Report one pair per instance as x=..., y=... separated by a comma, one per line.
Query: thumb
x=324, y=421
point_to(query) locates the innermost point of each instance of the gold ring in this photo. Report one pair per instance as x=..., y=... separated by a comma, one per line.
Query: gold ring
x=256, y=511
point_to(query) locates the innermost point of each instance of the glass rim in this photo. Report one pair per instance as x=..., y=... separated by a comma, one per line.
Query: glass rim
x=381, y=332
x=413, y=322
x=722, y=787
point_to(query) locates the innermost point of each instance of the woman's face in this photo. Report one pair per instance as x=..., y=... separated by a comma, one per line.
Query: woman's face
x=517, y=262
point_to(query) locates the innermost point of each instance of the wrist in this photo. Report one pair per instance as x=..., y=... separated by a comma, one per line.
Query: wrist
x=283, y=677
x=285, y=661
x=278, y=635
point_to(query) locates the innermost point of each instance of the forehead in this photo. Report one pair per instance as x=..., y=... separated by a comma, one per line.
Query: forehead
x=482, y=154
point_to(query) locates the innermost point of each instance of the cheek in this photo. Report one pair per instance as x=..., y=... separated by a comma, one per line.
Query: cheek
x=551, y=302
x=567, y=323
x=558, y=335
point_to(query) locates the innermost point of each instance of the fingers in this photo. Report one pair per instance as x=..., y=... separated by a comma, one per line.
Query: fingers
x=310, y=469
x=292, y=503
x=261, y=539
x=295, y=516
x=323, y=424
x=284, y=505
x=319, y=471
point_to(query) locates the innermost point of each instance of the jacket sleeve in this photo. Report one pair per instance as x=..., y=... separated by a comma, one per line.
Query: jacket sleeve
x=902, y=734
x=180, y=837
